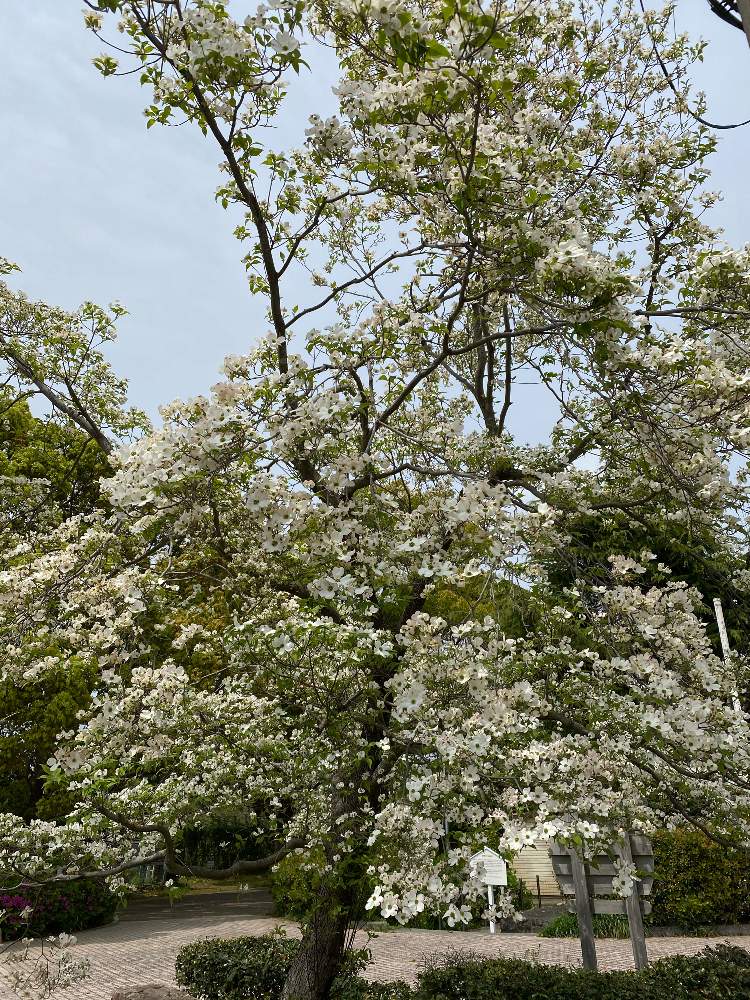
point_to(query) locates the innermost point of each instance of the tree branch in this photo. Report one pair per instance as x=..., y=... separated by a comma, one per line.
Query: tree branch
x=79, y=418
x=177, y=867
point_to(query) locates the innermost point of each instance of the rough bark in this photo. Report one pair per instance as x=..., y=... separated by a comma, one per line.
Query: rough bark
x=318, y=960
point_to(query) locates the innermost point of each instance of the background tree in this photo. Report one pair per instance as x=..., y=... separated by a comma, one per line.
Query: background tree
x=55, y=356
x=711, y=565
x=51, y=463
x=48, y=472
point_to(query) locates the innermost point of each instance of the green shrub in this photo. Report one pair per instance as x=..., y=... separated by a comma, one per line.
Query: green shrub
x=254, y=968
x=716, y=974
x=355, y=988
x=63, y=906
x=606, y=925
x=698, y=882
x=235, y=968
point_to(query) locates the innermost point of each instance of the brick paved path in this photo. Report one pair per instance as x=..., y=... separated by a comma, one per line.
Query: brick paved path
x=132, y=952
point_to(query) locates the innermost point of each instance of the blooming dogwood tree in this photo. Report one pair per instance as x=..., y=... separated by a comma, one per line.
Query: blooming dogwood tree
x=298, y=602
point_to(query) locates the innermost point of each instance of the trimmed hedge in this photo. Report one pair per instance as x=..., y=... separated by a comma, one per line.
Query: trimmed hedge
x=66, y=906
x=721, y=973
x=235, y=968
x=698, y=882
x=254, y=968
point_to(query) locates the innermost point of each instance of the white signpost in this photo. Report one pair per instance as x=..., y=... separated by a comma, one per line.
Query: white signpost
x=491, y=869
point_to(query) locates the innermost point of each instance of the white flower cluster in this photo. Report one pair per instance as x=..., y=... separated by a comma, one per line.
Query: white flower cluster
x=39, y=968
x=625, y=877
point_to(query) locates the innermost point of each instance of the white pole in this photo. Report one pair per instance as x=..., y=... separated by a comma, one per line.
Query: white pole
x=491, y=901
x=719, y=611
x=744, y=6
x=725, y=650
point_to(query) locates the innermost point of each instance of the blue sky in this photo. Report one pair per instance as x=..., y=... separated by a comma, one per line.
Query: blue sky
x=94, y=206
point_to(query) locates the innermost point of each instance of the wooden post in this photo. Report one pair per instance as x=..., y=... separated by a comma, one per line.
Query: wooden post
x=583, y=911
x=633, y=910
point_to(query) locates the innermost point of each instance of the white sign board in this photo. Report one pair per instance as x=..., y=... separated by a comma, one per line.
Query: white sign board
x=489, y=867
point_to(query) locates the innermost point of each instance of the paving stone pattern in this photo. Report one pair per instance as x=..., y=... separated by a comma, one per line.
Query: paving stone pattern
x=131, y=953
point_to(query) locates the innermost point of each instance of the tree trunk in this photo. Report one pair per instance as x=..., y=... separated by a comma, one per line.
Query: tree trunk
x=318, y=960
